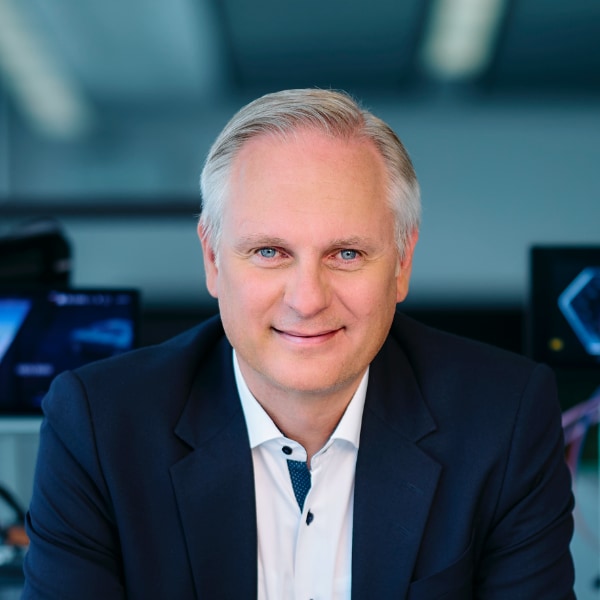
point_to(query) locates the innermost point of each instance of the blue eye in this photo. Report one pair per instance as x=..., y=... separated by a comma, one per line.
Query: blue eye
x=348, y=254
x=267, y=252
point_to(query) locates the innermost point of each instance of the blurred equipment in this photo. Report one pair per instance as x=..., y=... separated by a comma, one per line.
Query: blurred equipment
x=44, y=332
x=13, y=539
x=576, y=423
x=47, y=327
x=580, y=304
x=564, y=308
x=37, y=253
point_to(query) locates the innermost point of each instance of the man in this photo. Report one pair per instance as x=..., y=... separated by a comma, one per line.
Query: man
x=309, y=443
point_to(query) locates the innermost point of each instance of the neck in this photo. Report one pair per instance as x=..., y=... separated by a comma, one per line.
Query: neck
x=311, y=426
x=308, y=419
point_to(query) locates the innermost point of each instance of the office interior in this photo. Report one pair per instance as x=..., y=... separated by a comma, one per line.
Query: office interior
x=107, y=111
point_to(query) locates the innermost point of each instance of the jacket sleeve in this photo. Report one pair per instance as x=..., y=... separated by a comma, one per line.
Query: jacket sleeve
x=527, y=551
x=74, y=547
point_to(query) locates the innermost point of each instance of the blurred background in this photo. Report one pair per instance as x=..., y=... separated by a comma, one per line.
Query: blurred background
x=107, y=110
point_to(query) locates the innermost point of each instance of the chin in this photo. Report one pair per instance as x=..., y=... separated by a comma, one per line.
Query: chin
x=312, y=385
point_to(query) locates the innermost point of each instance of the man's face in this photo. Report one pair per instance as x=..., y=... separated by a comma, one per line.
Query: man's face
x=308, y=273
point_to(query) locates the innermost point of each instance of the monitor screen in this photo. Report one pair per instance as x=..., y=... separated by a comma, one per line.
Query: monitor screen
x=45, y=332
x=564, y=308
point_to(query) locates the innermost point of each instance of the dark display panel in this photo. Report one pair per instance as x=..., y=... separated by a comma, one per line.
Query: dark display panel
x=564, y=308
x=45, y=332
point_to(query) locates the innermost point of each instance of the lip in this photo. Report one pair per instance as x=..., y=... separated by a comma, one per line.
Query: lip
x=304, y=338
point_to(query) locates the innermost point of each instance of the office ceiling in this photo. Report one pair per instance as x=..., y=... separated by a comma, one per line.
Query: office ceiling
x=144, y=53
x=549, y=45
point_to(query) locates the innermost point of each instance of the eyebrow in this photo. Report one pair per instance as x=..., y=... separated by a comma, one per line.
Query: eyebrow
x=268, y=240
x=351, y=241
x=259, y=240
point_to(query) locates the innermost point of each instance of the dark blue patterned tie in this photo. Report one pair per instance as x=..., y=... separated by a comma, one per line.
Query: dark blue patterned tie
x=300, y=476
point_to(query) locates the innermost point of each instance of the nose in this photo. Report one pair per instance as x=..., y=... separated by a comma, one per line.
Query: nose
x=307, y=289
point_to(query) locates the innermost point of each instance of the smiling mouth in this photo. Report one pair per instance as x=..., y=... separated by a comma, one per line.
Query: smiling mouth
x=300, y=337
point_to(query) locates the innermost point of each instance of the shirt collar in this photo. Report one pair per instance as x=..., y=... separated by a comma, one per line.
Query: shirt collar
x=262, y=429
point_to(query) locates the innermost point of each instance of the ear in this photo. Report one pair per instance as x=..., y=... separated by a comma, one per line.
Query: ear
x=405, y=268
x=210, y=263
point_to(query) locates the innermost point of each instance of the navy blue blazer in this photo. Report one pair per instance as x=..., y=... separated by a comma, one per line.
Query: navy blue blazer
x=144, y=485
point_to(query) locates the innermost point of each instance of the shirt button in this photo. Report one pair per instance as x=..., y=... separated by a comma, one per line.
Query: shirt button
x=286, y=450
x=309, y=518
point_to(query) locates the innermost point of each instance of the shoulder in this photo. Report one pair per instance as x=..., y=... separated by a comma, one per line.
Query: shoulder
x=497, y=435
x=180, y=354
x=429, y=349
x=453, y=372
x=484, y=401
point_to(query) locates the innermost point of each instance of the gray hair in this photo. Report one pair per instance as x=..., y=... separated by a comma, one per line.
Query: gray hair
x=333, y=113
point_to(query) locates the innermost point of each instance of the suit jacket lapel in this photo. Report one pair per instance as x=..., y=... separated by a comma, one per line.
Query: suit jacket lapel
x=394, y=487
x=214, y=484
x=395, y=480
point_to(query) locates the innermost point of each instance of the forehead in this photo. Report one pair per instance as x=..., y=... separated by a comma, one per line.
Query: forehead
x=309, y=154
x=308, y=181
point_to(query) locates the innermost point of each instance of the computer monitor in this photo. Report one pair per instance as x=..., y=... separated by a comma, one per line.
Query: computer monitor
x=45, y=332
x=564, y=306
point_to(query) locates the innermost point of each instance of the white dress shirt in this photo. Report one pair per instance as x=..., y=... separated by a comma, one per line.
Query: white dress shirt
x=303, y=555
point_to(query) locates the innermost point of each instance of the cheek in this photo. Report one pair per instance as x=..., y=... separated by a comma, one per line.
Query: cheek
x=371, y=296
x=245, y=293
